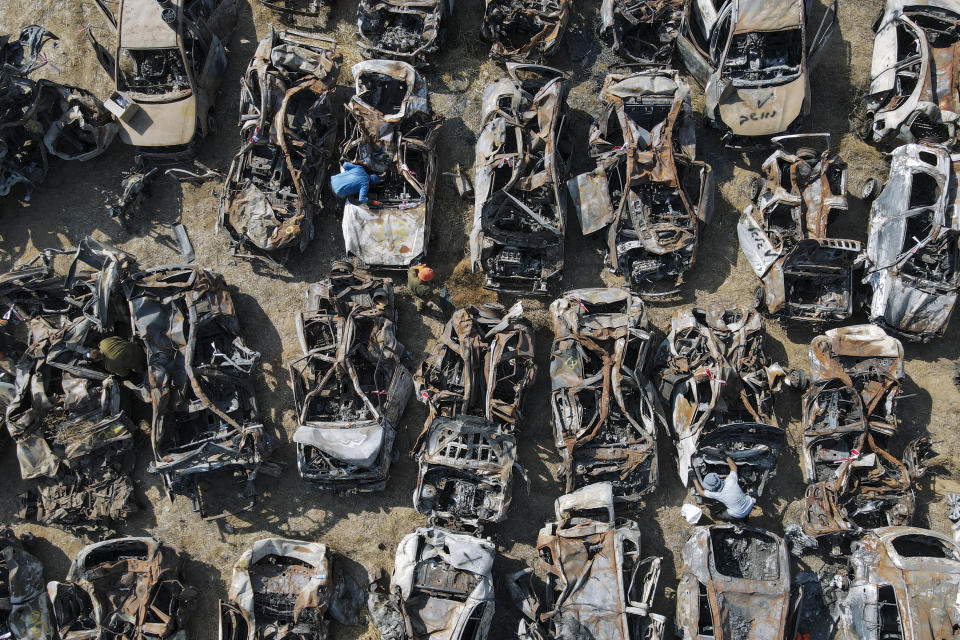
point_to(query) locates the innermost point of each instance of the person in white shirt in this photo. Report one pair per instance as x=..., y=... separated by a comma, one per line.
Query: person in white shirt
x=728, y=491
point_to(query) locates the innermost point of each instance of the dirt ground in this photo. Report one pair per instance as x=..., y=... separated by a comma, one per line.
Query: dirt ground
x=367, y=528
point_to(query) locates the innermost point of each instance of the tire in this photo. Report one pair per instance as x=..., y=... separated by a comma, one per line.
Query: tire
x=756, y=186
x=211, y=123
x=759, y=299
x=797, y=379
x=870, y=190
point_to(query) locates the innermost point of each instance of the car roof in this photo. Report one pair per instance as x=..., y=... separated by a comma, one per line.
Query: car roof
x=142, y=27
x=767, y=15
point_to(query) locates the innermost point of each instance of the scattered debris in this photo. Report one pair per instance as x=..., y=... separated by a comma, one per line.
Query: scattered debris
x=308, y=8
x=648, y=188
x=519, y=214
x=807, y=275
x=524, y=30
x=407, y=30
x=461, y=181
x=642, y=30
x=134, y=186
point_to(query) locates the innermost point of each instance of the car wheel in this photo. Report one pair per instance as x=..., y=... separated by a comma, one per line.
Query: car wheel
x=797, y=379
x=756, y=185
x=211, y=124
x=759, y=299
x=870, y=190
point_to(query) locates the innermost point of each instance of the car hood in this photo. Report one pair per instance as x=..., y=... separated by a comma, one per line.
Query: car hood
x=161, y=124
x=763, y=111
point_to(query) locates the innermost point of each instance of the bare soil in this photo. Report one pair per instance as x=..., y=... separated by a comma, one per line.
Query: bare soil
x=367, y=528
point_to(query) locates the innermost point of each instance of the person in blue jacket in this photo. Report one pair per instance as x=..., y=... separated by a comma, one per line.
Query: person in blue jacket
x=353, y=179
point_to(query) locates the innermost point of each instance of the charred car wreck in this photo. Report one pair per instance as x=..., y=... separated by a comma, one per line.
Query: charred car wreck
x=648, y=189
x=807, y=276
x=391, y=131
x=735, y=583
x=127, y=588
x=913, y=255
x=642, y=30
x=288, y=133
x=524, y=30
x=849, y=415
x=67, y=416
x=605, y=409
x=719, y=384
x=598, y=583
x=522, y=154
x=288, y=590
x=441, y=588
x=408, y=30
x=24, y=609
x=753, y=58
x=474, y=384
x=913, y=84
x=207, y=439
x=349, y=386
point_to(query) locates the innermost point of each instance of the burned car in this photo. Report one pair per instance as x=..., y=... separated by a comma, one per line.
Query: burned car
x=474, y=383
x=408, y=30
x=287, y=590
x=902, y=582
x=205, y=430
x=913, y=85
x=753, y=58
x=522, y=154
x=849, y=415
x=598, y=583
x=648, y=189
x=807, y=276
x=288, y=132
x=912, y=244
x=719, y=385
x=441, y=588
x=605, y=408
x=68, y=415
x=349, y=386
x=735, y=583
x=24, y=608
x=122, y=588
x=524, y=30
x=642, y=30
x=169, y=60
x=391, y=131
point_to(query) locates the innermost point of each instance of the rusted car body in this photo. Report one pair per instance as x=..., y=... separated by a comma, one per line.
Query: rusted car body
x=719, y=384
x=408, y=30
x=127, y=588
x=24, y=610
x=735, y=584
x=524, y=30
x=391, y=131
x=474, y=383
x=598, y=583
x=903, y=583
x=73, y=436
x=913, y=85
x=519, y=211
x=642, y=30
x=286, y=590
x=288, y=133
x=753, y=58
x=205, y=430
x=169, y=60
x=441, y=588
x=349, y=386
x=605, y=408
x=807, y=276
x=648, y=189
x=913, y=256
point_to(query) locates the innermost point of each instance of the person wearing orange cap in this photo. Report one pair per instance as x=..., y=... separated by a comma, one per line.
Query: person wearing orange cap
x=422, y=286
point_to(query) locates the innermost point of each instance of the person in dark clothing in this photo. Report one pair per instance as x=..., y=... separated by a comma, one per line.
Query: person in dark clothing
x=121, y=358
x=352, y=180
x=421, y=285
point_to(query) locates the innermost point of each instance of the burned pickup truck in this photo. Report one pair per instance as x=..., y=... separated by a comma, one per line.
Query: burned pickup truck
x=849, y=414
x=441, y=588
x=719, y=385
x=524, y=30
x=205, y=430
x=598, y=583
x=648, y=189
x=474, y=383
x=408, y=30
x=644, y=31
x=807, y=276
x=605, y=408
x=123, y=588
x=913, y=255
x=913, y=82
x=735, y=584
x=349, y=386
x=391, y=131
x=522, y=154
x=288, y=133
x=753, y=58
